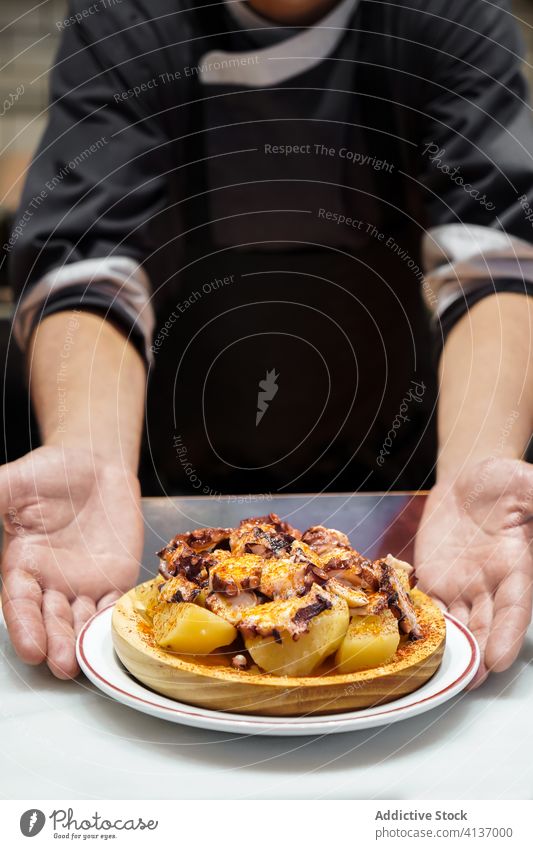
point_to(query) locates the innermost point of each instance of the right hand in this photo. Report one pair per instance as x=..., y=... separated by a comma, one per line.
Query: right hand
x=474, y=553
x=73, y=535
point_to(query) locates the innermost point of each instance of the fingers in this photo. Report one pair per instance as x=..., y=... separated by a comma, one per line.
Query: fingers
x=480, y=676
x=512, y=614
x=108, y=599
x=21, y=602
x=461, y=610
x=82, y=610
x=58, y=621
x=480, y=623
x=478, y=618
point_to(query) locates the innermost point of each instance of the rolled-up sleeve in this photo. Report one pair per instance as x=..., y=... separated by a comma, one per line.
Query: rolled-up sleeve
x=86, y=222
x=476, y=160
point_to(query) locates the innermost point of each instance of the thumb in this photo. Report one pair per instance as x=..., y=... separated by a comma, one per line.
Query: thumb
x=13, y=484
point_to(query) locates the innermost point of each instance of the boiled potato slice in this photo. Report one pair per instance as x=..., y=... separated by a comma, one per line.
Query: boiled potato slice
x=147, y=597
x=190, y=629
x=302, y=656
x=370, y=641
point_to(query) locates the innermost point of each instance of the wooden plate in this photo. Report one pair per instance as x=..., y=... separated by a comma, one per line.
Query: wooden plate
x=207, y=682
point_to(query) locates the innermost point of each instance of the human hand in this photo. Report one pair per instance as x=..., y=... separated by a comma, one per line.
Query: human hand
x=474, y=554
x=73, y=535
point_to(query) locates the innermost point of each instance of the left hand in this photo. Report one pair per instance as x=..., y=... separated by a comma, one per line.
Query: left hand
x=73, y=534
x=474, y=554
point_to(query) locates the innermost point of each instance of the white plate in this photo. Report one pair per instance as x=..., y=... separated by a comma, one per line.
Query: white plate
x=101, y=665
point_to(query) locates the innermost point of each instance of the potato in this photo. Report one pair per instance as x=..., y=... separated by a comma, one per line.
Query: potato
x=302, y=656
x=147, y=598
x=370, y=641
x=190, y=629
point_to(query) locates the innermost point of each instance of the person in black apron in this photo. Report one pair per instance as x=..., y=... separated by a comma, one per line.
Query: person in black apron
x=287, y=210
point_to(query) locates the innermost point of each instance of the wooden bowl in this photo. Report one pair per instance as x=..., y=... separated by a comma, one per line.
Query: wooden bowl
x=210, y=682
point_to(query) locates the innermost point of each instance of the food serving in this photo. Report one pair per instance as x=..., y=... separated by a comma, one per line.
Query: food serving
x=264, y=618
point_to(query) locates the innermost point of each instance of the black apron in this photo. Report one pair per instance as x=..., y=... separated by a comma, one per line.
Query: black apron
x=301, y=334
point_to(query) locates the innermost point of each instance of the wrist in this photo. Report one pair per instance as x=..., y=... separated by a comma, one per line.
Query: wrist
x=120, y=459
x=488, y=464
x=502, y=480
x=453, y=464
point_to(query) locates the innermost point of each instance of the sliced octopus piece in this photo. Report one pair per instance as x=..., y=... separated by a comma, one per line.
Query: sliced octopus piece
x=399, y=602
x=193, y=565
x=370, y=576
x=353, y=568
x=273, y=520
x=184, y=561
x=376, y=604
x=262, y=540
x=300, y=552
x=231, y=608
x=405, y=570
x=283, y=579
x=169, y=565
x=353, y=596
x=178, y=589
x=323, y=540
x=234, y=574
x=199, y=540
x=287, y=616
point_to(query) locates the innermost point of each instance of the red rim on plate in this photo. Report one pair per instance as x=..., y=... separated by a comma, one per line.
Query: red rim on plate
x=244, y=719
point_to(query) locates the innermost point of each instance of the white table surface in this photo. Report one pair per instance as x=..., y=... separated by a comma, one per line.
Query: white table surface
x=66, y=740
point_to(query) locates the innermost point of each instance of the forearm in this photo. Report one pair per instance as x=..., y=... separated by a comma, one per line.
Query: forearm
x=486, y=384
x=87, y=386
